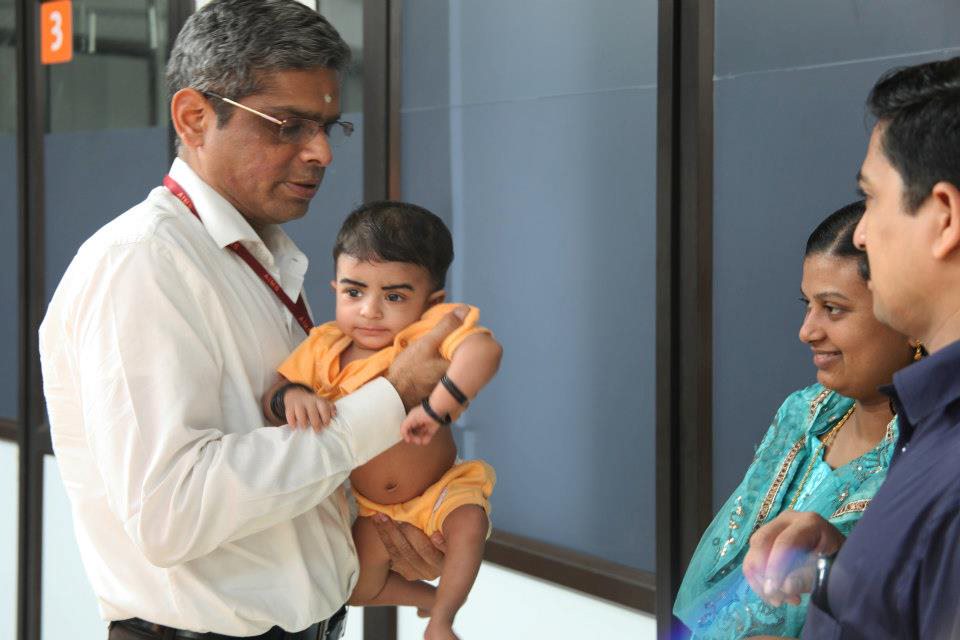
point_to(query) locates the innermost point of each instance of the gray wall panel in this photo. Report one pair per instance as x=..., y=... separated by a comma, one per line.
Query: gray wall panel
x=788, y=146
x=755, y=35
x=541, y=155
x=512, y=50
x=560, y=257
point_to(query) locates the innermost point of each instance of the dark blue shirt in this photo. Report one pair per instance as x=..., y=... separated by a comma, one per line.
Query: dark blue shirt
x=898, y=574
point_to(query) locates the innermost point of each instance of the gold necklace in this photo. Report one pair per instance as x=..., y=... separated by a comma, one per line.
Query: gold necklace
x=825, y=442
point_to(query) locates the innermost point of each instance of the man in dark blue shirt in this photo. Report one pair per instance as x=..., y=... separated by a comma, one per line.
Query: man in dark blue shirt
x=898, y=574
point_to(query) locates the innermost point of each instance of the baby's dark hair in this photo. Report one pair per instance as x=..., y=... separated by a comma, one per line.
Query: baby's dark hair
x=834, y=236
x=391, y=231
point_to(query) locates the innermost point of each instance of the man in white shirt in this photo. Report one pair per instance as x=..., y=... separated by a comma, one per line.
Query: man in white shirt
x=192, y=515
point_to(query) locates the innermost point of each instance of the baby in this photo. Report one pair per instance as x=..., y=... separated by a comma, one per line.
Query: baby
x=391, y=265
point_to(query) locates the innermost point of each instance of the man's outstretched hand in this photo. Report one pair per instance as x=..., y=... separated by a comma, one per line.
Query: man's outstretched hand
x=780, y=565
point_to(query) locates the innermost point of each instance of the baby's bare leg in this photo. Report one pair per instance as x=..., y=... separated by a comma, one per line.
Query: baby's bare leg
x=465, y=531
x=377, y=585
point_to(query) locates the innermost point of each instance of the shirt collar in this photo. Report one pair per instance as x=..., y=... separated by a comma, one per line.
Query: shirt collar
x=930, y=384
x=220, y=218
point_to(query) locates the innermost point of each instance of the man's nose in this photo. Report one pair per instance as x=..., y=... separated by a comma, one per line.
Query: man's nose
x=860, y=234
x=318, y=150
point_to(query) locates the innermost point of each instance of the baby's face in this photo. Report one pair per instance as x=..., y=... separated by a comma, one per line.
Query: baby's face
x=376, y=300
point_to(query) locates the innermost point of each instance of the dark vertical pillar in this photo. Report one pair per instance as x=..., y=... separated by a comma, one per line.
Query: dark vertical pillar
x=381, y=99
x=30, y=131
x=684, y=291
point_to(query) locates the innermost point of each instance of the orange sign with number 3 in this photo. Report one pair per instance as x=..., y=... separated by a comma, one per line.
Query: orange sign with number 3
x=56, y=32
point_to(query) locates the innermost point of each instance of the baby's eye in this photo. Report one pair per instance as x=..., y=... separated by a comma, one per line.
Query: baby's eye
x=395, y=297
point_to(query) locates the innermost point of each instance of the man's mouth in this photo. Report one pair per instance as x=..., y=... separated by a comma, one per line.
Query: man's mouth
x=304, y=190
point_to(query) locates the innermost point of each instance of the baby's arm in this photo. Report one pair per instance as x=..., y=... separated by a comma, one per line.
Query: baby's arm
x=301, y=406
x=473, y=365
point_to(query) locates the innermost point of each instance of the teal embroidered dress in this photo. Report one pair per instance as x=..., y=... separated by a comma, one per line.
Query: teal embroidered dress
x=715, y=601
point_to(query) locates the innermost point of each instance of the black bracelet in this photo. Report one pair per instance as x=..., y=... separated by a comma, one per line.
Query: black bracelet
x=276, y=402
x=454, y=391
x=425, y=403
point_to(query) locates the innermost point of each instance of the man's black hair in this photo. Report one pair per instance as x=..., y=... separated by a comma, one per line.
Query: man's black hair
x=391, y=231
x=918, y=110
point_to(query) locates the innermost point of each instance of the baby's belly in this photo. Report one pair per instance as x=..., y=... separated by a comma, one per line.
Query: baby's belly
x=404, y=471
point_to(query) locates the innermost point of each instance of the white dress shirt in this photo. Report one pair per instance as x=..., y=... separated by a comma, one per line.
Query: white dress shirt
x=189, y=510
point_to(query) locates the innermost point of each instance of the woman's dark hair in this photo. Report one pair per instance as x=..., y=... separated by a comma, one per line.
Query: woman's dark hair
x=918, y=108
x=834, y=236
x=390, y=231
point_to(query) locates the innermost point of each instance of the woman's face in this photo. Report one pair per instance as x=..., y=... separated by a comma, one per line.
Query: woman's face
x=853, y=352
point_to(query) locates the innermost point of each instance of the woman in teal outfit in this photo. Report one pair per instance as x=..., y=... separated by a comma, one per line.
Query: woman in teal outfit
x=827, y=450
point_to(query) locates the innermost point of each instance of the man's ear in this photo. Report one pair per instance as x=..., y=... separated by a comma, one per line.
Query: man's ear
x=192, y=115
x=333, y=285
x=437, y=297
x=945, y=198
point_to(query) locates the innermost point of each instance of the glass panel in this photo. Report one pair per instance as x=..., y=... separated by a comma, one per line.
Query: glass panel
x=9, y=249
x=9, y=492
x=342, y=188
x=540, y=153
x=69, y=607
x=106, y=142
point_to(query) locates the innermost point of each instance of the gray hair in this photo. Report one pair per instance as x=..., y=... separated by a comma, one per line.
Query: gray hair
x=230, y=46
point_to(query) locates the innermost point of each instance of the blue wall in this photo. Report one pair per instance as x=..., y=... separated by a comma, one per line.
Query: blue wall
x=790, y=133
x=530, y=127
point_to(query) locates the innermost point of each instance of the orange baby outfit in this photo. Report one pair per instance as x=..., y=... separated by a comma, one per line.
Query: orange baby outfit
x=469, y=482
x=316, y=363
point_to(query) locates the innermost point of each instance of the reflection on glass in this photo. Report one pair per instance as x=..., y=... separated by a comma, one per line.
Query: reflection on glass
x=115, y=79
x=106, y=142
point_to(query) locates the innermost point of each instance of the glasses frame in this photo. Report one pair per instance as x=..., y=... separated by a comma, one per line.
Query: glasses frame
x=322, y=127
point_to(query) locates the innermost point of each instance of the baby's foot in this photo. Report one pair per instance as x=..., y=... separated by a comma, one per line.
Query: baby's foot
x=439, y=630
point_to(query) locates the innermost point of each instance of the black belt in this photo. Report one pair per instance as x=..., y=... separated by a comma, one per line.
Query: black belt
x=330, y=629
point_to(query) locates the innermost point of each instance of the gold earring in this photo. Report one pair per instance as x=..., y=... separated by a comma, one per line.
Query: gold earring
x=917, y=351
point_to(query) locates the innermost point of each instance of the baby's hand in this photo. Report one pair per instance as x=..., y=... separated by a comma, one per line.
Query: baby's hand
x=418, y=427
x=307, y=409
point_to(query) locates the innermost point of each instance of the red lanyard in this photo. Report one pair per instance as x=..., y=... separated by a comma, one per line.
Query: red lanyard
x=299, y=310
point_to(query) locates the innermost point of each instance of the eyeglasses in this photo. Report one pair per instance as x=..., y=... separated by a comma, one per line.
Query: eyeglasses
x=301, y=130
